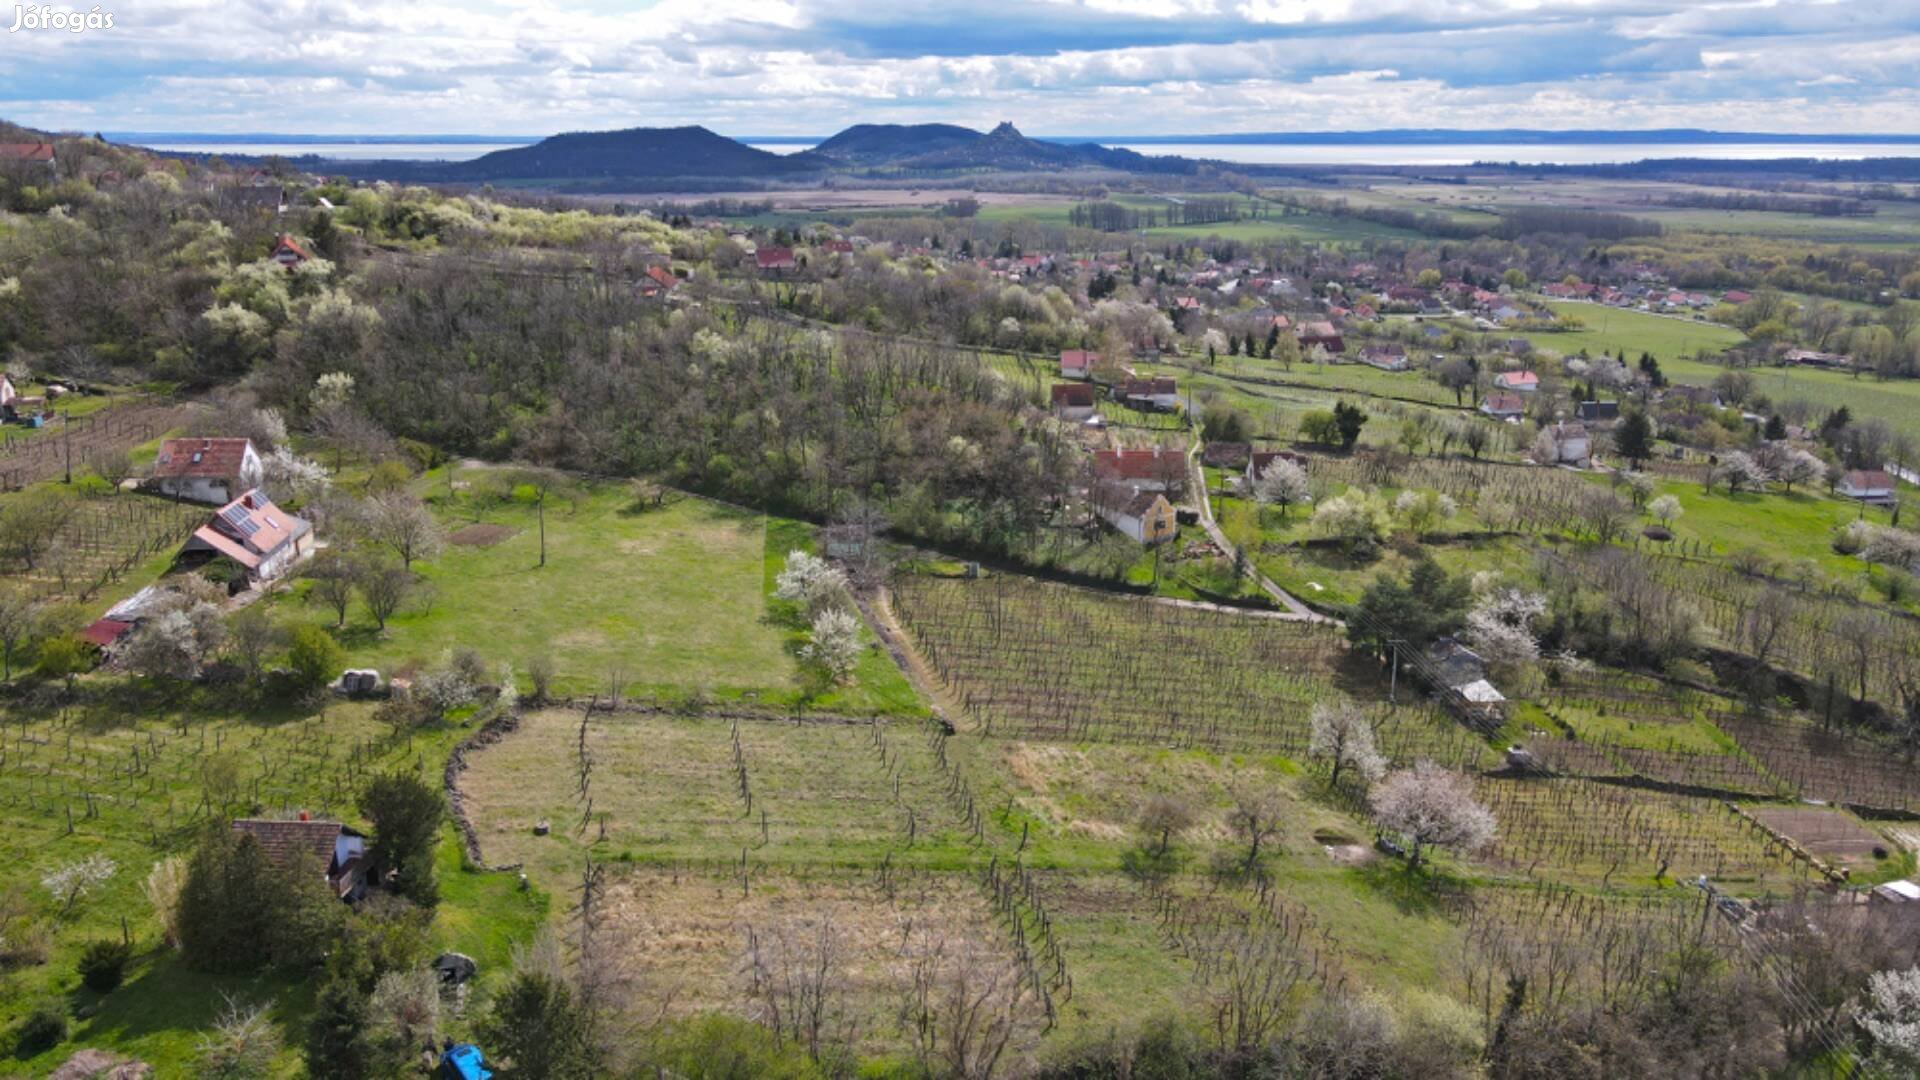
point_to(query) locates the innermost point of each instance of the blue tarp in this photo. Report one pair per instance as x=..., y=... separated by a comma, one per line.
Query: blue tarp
x=464, y=1062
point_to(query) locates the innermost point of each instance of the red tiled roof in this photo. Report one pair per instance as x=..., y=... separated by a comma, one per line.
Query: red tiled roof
x=665, y=279
x=1868, y=479
x=288, y=243
x=210, y=459
x=27, y=151
x=1078, y=358
x=1073, y=395
x=1154, y=464
x=1503, y=403
x=286, y=841
x=249, y=529
x=1518, y=378
x=773, y=258
x=104, y=632
x=1258, y=461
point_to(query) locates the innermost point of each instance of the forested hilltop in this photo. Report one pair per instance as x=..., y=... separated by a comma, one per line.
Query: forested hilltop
x=1062, y=627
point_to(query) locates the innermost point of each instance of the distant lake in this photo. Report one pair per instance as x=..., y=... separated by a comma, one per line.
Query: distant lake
x=341, y=151
x=1435, y=154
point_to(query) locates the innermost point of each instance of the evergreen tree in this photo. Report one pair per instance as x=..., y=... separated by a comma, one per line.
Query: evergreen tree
x=1633, y=437
x=538, y=1031
x=406, y=813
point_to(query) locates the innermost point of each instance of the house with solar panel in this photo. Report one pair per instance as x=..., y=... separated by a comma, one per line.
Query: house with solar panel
x=255, y=535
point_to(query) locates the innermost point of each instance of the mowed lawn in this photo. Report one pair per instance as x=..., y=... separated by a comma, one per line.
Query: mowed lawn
x=671, y=598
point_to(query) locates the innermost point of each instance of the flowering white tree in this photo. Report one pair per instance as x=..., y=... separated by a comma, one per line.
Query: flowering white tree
x=1740, y=472
x=836, y=643
x=1282, y=483
x=1797, y=466
x=289, y=476
x=1432, y=807
x=1892, y=1018
x=1666, y=510
x=1500, y=626
x=71, y=883
x=1423, y=511
x=1353, y=516
x=809, y=581
x=1342, y=734
x=1892, y=547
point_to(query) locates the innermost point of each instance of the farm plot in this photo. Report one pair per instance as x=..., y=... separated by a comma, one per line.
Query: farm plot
x=1838, y=838
x=95, y=541
x=1829, y=765
x=1581, y=831
x=77, y=442
x=1052, y=662
x=701, y=792
x=1628, y=725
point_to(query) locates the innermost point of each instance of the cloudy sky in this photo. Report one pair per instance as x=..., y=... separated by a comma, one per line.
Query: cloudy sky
x=1054, y=67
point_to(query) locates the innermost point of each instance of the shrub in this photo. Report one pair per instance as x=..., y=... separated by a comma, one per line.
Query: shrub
x=313, y=657
x=43, y=1029
x=103, y=964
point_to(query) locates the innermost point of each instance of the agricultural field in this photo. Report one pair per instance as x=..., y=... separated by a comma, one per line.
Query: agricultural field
x=91, y=428
x=1022, y=661
x=1011, y=847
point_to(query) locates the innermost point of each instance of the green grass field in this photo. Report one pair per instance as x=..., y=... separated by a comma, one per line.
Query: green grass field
x=1614, y=330
x=673, y=600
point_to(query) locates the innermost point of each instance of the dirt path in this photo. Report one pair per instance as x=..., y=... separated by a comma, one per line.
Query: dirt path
x=879, y=612
x=1295, y=610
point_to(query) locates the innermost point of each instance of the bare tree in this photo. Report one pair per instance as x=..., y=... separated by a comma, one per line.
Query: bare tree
x=403, y=523
x=383, y=588
x=797, y=983
x=333, y=577
x=1255, y=817
x=543, y=483
x=251, y=636
x=19, y=615
x=966, y=1010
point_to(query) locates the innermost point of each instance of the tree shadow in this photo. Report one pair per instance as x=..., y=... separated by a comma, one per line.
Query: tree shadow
x=1424, y=891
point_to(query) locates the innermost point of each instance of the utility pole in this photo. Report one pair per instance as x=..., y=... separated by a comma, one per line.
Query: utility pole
x=1393, y=681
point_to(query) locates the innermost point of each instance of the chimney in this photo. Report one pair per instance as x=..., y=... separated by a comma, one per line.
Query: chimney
x=304, y=816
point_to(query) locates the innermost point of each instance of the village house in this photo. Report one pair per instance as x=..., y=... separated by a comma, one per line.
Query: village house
x=1867, y=485
x=1073, y=401
x=1157, y=469
x=31, y=153
x=773, y=258
x=1463, y=675
x=1145, y=516
x=1226, y=455
x=1386, y=357
x=1572, y=444
x=1322, y=335
x=1259, y=460
x=1078, y=363
x=1815, y=358
x=339, y=852
x=1156, y=393
x=259, y=537
x=1597, y=412
x=1504, y=406
x=1520, y=382
x=658, y=281
x=288, y=252
x=207, y=470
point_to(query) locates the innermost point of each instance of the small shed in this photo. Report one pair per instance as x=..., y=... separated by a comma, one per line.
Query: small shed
x=1895, y=892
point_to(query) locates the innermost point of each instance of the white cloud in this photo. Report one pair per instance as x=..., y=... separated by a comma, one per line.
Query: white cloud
x=1059, y=66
